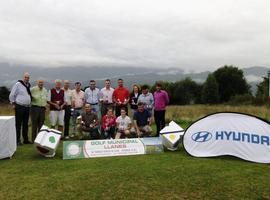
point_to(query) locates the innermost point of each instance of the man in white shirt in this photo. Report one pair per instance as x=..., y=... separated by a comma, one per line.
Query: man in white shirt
x=20, y=98
x=67, y=108
x=106, y=99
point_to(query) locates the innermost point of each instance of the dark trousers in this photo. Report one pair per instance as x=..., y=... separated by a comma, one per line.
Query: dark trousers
x=107, y=134
x=22, y=117
x=67, y=119
x=118, y=109
x=37, y=118
x=159, y=120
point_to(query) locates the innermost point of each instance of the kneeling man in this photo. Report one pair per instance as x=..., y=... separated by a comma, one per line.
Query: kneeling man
x=142, y=121
x=88, y=126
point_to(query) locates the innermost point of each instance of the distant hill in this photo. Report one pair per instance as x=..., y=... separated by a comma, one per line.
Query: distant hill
x=11, y=73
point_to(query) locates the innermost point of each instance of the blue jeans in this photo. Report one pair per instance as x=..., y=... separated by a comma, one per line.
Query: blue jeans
x=76, y=113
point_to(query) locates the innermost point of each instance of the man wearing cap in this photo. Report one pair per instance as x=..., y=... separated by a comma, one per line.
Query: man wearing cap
x=20, y=98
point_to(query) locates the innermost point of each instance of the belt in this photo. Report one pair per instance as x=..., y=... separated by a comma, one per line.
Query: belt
x=79, y=108
x=92, y=104
x=22, y=105
x=38, y=106
x=107, y=103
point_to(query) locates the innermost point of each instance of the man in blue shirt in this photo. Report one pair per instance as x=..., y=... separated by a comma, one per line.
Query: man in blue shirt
x=20, y=98
x=91, y=96
x=142, y=121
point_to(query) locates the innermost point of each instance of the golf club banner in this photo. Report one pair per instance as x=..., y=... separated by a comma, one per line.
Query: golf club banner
x=118, y=147
x=235, y=134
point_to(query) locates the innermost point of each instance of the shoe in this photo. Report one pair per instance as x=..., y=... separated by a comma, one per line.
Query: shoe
x=73, y=135
x=27, y=142
x=19, y=143
x=66, y=137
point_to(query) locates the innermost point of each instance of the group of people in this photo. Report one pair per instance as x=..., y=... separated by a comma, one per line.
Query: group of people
x=94, y=113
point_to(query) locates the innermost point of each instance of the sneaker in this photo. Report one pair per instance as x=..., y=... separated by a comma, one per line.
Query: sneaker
x=73, y=135
x=66, y=137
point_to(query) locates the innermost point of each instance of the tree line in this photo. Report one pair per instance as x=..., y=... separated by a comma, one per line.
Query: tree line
x=225, y=85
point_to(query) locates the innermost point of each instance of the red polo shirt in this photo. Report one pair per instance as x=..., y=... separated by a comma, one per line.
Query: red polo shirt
x=121, y=94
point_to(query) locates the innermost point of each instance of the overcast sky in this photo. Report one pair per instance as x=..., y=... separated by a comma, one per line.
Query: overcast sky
x=193, y=35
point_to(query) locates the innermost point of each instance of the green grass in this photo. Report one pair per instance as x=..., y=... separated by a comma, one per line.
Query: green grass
x=172, y=175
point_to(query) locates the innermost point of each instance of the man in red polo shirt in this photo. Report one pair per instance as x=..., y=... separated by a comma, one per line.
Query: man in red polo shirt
x=120, y=97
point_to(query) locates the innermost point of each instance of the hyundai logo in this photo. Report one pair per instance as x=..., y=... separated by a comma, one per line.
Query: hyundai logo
x=201, y=136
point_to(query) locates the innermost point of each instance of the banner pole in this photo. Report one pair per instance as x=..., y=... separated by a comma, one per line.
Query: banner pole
x=268, y=84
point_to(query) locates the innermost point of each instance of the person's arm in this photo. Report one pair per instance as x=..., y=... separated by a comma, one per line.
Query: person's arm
x=95, y=121
x=73, y=99
x=101, y=96
x=139, y=98
x=166, y=98
x=129, y=126
x=117, y=123
x=85, y=96
x=149, y=121
x=127, y=98
x=13, y=94
x=136, y=127
x=65, y=101
x=113, y=97
x=151, y=101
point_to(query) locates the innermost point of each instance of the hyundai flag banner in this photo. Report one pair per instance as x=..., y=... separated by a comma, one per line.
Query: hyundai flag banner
x=235, y=134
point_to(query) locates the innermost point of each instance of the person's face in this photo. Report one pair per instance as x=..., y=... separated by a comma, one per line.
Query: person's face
x=123, y=113
x=40, y=84
x=92, y=85
x=87, y=108
x=66, y=84
x=110, y=113
x=158, y=88
x=135, y=89
x=78, y=87
x=120, y=83
x=58, y=85
x=26, y=78
x=145, y=91
x=140, y=108
x=107, y=84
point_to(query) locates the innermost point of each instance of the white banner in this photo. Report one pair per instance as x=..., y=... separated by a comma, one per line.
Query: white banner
x=234, y=134
x=101, y=148
x=118, y=147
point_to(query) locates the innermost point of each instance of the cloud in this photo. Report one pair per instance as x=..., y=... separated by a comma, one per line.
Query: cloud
x=192, y=35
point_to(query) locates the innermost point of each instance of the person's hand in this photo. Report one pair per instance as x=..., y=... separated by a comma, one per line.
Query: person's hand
x=57, y=106
x=139, y=133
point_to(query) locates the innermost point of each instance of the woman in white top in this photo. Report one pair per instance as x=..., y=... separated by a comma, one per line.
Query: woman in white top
x=123, y=125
